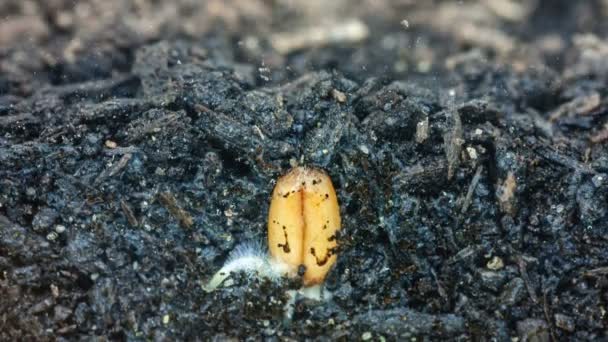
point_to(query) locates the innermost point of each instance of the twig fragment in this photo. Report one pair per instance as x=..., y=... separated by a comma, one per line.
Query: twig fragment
x=472, y=186
x=581, y=105
x=169, y=202
x=126, y=209
x=351, y=31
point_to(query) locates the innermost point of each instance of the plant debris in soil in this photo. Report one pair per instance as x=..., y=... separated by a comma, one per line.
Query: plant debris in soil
x=140, y=142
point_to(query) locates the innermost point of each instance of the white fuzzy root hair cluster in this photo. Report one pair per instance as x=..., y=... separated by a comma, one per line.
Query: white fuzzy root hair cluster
x=252, y=259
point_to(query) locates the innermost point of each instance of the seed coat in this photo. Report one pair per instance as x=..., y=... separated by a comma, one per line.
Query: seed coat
x=303, y=220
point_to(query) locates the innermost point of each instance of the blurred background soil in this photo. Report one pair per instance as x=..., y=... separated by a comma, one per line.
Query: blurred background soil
x=140, y=141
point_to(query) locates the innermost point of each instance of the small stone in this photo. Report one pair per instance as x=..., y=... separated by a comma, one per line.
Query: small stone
x=366, y=336
x=599, y=179
x=111, y=144
x=52, y=236
x=422, y=130
x=59, y=228
x=364, y=149
x=405, y=24
x=30, y=192
x=472, y=152
x=495, y=263
x=338, y=95
x=54, y=290
x=269, y=332
x=166, y=319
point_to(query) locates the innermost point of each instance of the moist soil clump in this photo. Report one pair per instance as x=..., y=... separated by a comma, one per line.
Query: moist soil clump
x=140, y=142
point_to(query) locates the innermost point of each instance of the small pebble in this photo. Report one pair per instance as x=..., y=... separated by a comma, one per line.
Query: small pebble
x=472, y=152
x=366, y=336
x=60, y=228
x=495, y=263
x=166, y=319
x=30, y=192
x=111, y=144
x=338, y=95
x=422, y=130
x=52, y=236
x=598, y=180
x=54, y=290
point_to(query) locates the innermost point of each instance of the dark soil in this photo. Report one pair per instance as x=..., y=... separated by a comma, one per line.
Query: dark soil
x=140, y=141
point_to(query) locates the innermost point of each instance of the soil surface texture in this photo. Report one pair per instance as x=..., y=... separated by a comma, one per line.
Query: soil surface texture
x=140, y=141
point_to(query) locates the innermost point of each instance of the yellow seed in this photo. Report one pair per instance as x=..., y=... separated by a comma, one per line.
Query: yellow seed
x=303, y=221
